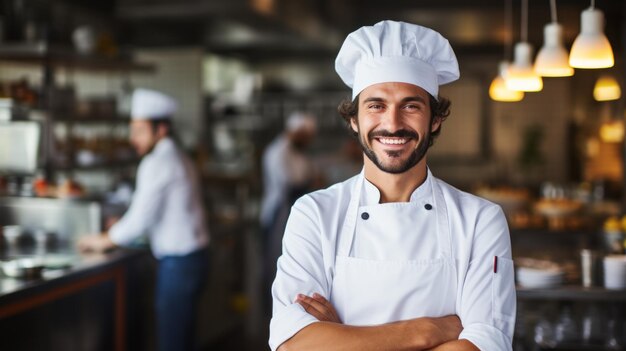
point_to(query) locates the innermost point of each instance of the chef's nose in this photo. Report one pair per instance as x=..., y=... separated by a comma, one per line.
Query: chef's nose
x=393, y=118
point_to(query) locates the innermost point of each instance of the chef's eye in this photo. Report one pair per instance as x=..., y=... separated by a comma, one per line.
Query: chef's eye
x=375, y=106
x=413, y=107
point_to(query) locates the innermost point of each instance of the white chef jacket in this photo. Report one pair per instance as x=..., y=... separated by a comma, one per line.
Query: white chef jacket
x=283, y=166
x=166, y=204
x=485, y=301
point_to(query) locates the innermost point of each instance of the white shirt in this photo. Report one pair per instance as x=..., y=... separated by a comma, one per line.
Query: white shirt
x=283, y=166
x=485, y=302
x=166, y=205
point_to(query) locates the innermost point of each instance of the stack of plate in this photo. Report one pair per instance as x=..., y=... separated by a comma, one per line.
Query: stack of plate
x=539, y=278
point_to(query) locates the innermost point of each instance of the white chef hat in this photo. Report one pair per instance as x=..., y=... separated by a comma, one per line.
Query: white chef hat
x=391, y=51
x=151, y=104
x=298, y=120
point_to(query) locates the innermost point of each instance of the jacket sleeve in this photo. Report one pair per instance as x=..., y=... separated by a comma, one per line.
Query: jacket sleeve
x=145, y=206
x=300, y=271
x=488, y=301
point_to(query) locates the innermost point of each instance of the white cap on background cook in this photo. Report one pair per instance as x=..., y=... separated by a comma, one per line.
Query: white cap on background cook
x=391, y=51
x=151, y=104
x=301, y=121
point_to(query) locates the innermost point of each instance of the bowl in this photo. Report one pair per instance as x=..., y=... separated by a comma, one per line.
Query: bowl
x=23, y=267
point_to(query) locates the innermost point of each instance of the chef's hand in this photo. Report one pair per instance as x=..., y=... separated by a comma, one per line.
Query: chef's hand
x=317, y=306
x=95, y=243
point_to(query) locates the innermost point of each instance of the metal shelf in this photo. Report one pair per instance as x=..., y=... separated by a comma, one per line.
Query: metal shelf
x=571, y=292
x=99, y=166
x=93, y=120
x=42, y=54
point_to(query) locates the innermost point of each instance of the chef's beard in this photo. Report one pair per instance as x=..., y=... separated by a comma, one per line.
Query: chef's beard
x=414, y=158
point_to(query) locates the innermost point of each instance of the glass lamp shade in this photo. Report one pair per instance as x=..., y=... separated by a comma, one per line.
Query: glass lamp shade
x=521, y=76
x=591, y=49
x=606, y=89
x=552, y=59
x=498, y=90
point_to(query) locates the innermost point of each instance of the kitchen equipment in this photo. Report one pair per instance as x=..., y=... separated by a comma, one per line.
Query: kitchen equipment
x=544, y=333
x=44, y=239
x=614, y=337
x=565, y=329
x=12, y=234
x=19, y=147
x=533, y=273
x=23, y=267
x=589, y=262
x=84, y=39
x=613, y=235
x=539, y=278
x=592, y=325
x=59, y=261
x=615, y=272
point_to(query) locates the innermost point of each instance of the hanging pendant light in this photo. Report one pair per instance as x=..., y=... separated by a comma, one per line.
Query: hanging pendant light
x=606, y=89
x=591, y=49
x=498, y=90
x=521, y=76
x=552, y=60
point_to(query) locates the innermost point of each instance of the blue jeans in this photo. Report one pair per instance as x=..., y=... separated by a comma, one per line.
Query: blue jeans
x=180, y=280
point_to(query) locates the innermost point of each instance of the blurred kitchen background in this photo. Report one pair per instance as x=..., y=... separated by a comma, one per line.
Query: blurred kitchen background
x=554, y=160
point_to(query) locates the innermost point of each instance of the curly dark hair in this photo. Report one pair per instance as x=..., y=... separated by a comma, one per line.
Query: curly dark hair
x=438, y=110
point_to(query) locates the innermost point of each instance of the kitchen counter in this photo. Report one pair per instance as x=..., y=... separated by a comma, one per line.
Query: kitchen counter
x=82, y=265
x=100, y=302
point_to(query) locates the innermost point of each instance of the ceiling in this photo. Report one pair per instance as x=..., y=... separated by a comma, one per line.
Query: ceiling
x=310, y=29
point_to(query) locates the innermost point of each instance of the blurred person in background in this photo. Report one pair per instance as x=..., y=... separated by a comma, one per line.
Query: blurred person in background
x=288, y=173
x=167, y=206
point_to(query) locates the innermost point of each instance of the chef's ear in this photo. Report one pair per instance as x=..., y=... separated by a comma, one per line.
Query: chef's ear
x=162, y=129
x=354, y=125
x=436, y=124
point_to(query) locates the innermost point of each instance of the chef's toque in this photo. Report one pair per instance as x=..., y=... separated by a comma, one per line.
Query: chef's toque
x=151, y=104
x=391, y=51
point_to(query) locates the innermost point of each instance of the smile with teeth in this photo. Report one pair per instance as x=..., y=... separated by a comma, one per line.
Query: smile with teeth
x=393, y=141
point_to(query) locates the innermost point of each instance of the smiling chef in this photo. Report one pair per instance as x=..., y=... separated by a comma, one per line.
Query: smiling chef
x=394, y=258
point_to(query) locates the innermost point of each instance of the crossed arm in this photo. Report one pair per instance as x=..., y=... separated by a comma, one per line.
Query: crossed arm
x=438, y=334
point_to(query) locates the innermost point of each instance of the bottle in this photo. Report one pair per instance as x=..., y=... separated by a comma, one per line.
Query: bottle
x=592, y=328
x=613, y=236
x=566, y=330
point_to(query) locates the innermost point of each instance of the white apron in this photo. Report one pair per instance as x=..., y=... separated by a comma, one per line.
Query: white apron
x=372, y=292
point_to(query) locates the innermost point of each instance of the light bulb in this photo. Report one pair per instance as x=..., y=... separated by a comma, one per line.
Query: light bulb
x=498, y=90
x=521, y=75
x=552, y=59
x=606, y=89
x=612, y=132
x=591, y=49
